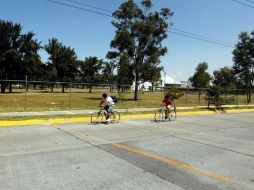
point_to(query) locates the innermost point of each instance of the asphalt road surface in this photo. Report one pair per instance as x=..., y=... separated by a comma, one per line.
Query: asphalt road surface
x=193, y=152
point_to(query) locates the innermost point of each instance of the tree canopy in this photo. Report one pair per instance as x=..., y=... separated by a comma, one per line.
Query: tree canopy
x=243, y=57
x=139, y=35
x=201, y=78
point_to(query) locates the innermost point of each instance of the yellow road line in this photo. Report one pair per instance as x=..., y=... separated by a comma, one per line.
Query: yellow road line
x=167, y=161
x=182, y=165
x=87, y=119
x=176, y=163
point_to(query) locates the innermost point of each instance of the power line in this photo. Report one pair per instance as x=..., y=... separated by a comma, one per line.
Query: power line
x=242, y=3
x=176, y=31
x=250, y=1
x=79, y=3
x=219, y=11
x=201, y=36
x=80, y=8
x=201, y=39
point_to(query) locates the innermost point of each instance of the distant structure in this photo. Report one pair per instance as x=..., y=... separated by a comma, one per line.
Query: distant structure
x=167, y=82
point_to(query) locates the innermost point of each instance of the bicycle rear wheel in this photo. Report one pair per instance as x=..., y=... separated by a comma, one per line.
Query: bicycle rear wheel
x=115, y=117
x=172, y=115
x=96, y=118
x=158, y=117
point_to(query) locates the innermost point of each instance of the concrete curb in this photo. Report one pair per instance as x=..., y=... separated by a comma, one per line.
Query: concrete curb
x=125, y=117
x=75, y=112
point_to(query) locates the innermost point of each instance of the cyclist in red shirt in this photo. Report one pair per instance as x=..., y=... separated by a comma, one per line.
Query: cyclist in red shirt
x=169, y=104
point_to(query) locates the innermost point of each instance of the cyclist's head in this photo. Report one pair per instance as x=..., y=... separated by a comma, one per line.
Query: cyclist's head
x=104, y=95
x=166, y=97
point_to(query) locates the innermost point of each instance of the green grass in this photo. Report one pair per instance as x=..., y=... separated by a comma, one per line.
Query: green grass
x=80, y=99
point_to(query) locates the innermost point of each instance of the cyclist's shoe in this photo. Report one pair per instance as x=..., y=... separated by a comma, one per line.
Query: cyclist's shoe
x=108, y=120
x=166, y=117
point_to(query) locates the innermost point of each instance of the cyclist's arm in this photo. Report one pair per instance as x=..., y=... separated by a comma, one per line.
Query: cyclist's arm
x=102, y=103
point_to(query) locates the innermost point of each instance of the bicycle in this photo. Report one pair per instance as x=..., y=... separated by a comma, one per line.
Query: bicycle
x=161, y=115
x=99, y=117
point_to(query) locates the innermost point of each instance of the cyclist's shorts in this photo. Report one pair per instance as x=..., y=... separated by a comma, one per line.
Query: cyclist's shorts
x=169, y=107
x=111, y=109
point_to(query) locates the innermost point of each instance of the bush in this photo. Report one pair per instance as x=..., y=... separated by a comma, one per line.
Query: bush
x=174, y=93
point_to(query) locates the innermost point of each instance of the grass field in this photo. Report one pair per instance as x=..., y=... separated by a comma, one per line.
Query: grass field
x=44, y=100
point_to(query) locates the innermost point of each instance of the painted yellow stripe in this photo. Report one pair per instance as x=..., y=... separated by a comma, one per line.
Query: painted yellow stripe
x=166, y=160
x=87, y=119
x=175, y=163
x=182, y=165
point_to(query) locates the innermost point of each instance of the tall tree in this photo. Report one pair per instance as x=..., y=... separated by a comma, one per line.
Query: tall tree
x=139, y=34
x=201, y=78
x=224, y=78
x=10, y=40
x=243, y=57
x=62, y=61
x=108, y=70
x=89, y=70
x=31, y=61
x=125, y=75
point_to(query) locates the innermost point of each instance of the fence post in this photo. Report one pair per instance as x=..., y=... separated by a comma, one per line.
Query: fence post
x=237, y=98
x=186, y=97
x=70, y=96
x=26, y=94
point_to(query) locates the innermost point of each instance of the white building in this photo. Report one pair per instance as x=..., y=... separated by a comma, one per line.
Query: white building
x=166, y=82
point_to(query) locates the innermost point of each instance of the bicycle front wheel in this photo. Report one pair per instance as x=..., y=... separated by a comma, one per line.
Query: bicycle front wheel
x=115, y=117
x=158, y=117
x=96, y=118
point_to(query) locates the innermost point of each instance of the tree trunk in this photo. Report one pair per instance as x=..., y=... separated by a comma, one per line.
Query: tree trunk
x=152, y=86
x=3, y=87
x=34, y=86
x=249, y=96
x=26, y=86
x=199, y=94
x=10, y=87
x=62, y=88
x=52, y=87
x=136, y=89
x=90, y=89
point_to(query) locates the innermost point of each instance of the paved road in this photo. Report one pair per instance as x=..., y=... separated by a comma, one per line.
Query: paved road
x=194, y=152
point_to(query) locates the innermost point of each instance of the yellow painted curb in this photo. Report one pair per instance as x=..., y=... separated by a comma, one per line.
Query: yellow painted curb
x=87, y=119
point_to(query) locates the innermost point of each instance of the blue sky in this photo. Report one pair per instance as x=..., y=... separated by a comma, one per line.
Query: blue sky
x=90, y=34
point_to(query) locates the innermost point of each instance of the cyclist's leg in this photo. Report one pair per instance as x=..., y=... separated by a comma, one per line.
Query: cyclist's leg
x=111, y=111
x=166, y=112
x=106, y=108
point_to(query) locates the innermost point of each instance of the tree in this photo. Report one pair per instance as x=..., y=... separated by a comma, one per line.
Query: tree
x=62, y=61
x=108, y=68
x=10, y=40
x=151, y=73
x=224, y=78
x=89, y=70
x=30, y=59
x=125, y=74
x=243, y=57
x=201, y=78
x=139, y=34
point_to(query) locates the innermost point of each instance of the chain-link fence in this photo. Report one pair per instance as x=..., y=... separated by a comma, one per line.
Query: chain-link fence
x=28, y=95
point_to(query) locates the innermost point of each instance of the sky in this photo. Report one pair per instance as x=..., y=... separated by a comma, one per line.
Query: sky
x=90, y=34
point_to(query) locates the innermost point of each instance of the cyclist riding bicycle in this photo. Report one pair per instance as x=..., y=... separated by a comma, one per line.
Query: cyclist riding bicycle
x=169, y=105
x=108, y=105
